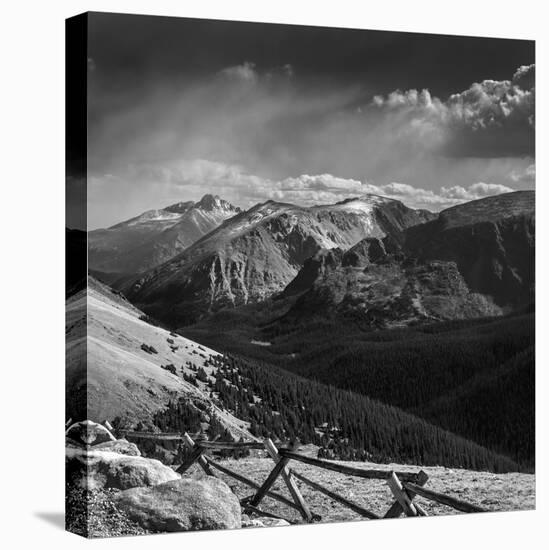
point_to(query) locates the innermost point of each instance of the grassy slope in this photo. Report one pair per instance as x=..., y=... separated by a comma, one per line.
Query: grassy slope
x=122, y=379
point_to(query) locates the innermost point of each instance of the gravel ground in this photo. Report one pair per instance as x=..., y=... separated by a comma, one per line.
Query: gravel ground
x=93, y=514
x=495, y=492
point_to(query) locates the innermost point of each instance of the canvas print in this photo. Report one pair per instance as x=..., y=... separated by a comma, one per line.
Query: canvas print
x=300, y=275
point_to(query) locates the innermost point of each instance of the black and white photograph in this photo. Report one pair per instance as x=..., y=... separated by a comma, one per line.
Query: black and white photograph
x=300, y=275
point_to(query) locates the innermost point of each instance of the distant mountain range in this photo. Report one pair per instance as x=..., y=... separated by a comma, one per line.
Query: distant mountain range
x=257, y=253
x=154, y=237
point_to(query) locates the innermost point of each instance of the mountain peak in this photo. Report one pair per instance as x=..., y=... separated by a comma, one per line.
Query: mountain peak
x=211, y=202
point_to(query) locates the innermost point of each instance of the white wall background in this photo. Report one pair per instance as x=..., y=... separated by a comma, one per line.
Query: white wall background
x=32, y=272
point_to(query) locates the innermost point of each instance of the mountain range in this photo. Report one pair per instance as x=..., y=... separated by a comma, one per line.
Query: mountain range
x=257, y=253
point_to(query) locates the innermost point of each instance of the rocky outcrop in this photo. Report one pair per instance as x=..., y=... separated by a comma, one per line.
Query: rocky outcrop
x=94, y=469
x=365, y=252
x=183, y=505
x=393, y=293
x=314, y=268
x=492, y=242
x=474, y=260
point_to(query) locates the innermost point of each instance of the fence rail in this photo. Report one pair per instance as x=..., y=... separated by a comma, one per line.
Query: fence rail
x=404, y=486
x=448, y=500
x=132, y=434
x=348, y=470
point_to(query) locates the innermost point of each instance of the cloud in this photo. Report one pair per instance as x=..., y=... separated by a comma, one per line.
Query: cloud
x=254, y=133
x=525, y=76
x=526, y=175
x=417, y=197
x=490, y=118
x=245, y=72
x=321, y=182
x=192, y=178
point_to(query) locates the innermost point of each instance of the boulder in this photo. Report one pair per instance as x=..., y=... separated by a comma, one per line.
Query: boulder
x=182, y=505
x=120, y=446
x=88, y=433
x=93, y=470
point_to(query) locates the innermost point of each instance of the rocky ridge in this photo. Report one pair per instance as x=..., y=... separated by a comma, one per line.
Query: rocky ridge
x=143, y=242
x=473, y=260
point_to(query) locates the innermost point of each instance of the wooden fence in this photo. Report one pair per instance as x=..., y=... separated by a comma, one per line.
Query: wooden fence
x=404, y=486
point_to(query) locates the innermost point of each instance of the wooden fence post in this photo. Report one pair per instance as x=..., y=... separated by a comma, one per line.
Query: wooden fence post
x=252, y=484
x=396, y=509
x=275, y=472
x=401, y=495
x=191, y=445
x=272, y=451
x=195, y=455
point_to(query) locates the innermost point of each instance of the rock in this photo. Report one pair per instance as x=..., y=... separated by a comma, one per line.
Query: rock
x=120, y=446
x=88, y=433
x=264, y=522
x=93, y=470
x=182, y=505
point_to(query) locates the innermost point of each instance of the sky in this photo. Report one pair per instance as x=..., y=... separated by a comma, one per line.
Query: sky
x=179, y=107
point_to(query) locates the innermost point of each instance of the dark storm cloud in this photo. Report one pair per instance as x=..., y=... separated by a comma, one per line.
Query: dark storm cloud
x=177, y=107
x=134, y=49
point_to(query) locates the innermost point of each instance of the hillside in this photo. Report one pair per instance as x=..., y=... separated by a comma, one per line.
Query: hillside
x=154, y=237
x=140, y=375
x=456, y=374
x=496, y=408
x=286, y=407
x=123, y=380
x=258, y=252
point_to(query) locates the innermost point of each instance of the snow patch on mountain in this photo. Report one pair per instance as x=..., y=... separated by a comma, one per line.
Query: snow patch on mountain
x=152, y=216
